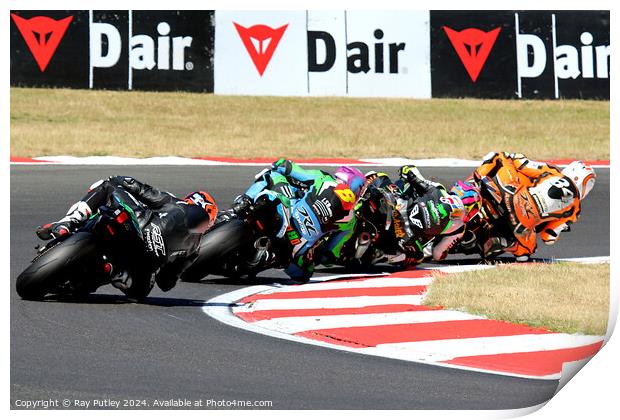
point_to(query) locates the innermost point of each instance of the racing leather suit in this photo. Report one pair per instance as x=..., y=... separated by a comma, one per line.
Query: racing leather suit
x=170, y=226
x=537, y=197
x=425, y=211
x=320, y=213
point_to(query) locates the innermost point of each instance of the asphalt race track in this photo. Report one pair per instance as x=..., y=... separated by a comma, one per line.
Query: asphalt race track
x=109, y=347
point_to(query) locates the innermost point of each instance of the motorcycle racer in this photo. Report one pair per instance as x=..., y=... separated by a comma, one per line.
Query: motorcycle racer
x=171, y=226
x=447, y=213
x=425, y=211
x=313, y=210
x=469, y=194
x=538, y=198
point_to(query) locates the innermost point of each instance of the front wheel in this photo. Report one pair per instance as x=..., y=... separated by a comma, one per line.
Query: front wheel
x=140, y=286
x=65, y=263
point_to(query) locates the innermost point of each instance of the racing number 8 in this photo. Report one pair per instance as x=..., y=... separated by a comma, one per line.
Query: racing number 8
x=346, y=195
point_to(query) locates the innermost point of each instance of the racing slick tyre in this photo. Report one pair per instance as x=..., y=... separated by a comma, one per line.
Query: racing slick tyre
x=216, y=245
x=62, y=262
x=140, y=287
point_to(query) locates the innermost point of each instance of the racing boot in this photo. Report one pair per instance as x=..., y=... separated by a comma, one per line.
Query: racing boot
x=468, y=243
x=495, y=246
x=77, y=214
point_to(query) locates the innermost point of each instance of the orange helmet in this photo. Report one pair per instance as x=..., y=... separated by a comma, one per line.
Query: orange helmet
x=204, y=219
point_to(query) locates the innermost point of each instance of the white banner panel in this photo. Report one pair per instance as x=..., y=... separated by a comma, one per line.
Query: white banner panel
x=389, y=53
x=260, y=53
x=327, y=53
x=339, y=53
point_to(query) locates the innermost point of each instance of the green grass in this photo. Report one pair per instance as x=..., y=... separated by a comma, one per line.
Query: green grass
x=82, y=122
x=563, y=297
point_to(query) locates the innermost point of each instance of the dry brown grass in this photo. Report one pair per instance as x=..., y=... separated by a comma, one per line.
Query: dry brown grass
x=564, y=297
x=82, y=122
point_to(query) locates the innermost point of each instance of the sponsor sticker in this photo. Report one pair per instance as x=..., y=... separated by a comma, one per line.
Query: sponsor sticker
x=346, y=195
x=305, y=222
x=414, y=220
x=323, y=208
x=155, y=240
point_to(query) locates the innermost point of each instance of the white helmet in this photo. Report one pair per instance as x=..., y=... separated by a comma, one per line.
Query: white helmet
x=582, y=175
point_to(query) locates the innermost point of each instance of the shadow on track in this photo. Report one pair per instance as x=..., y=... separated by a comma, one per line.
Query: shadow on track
x=108, y=299
x=385, y=268
x=111, y=299
x=243, y=281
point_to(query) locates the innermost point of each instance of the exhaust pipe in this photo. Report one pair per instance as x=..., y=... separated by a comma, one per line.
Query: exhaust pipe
x=363, y=242
x=262, y=251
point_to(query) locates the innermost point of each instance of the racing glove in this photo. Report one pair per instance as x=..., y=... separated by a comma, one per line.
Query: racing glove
x=284, y=163
x=410, y=173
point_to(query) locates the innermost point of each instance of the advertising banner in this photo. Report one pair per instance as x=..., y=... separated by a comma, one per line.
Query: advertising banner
x=413, y=54
x=387, y=54
x=323, y=53
x=327, y=60
x=520, y=54
x=145, y=50
x=49, y=48
x=261, y=53
x=578, y=52
x=109, y=35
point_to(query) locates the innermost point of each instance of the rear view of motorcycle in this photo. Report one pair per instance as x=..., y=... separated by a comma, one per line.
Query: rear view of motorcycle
x=378, y=229
x=108, y=247
x=242, y=243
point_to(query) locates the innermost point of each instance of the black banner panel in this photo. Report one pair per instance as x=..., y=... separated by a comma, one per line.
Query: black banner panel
x=582, y=53
x=520, y=54
x=143, y=50
x=534, y=59
x=473, y=54
x=49, y=48
x=109, y=49
x=172, y=50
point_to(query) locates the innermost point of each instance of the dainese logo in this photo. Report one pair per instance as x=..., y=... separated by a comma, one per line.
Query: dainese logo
x=261, y=42
x=42, y=35
x=473, y=47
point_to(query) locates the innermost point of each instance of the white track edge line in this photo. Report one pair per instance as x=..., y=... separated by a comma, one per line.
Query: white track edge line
x=222, y=313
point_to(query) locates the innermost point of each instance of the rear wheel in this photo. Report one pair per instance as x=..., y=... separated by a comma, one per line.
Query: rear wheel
x=61, y=264
x=217, y=246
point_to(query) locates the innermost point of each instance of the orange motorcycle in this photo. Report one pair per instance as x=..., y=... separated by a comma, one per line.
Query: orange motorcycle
x=522, y=199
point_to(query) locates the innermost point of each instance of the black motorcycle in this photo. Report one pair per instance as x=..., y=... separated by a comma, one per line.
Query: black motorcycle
x=239, y=246
x=243, y=243
x=379, y=228
x=107, y=247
